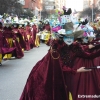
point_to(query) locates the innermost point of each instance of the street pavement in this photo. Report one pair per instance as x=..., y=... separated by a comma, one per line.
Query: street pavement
x=14, y=72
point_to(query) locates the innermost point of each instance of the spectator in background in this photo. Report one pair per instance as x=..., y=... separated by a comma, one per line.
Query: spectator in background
x=40, y=26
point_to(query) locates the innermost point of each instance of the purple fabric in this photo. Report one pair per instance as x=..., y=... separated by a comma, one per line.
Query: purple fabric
x=56, y=29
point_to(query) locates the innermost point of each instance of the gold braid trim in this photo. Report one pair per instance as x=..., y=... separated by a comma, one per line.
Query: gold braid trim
x=53, y=51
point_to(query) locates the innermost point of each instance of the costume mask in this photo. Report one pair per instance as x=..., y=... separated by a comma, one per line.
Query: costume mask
x=68, y=40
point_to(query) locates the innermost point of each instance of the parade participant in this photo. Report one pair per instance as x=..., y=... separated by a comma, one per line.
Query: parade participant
x=8, y=34
x=24, y=39
x=47, y=80
x=4, y=47
x=15, y=29
x=54, y=30
x=13, y=42
x=40, y=26
x=17, y=41
x=88, y=83
x=50, y=77
x=40, y=30
x=30, y=43
x=1, y=38
x=37, y=40
x=45, y=35
x=34, y=30
x=47, y=26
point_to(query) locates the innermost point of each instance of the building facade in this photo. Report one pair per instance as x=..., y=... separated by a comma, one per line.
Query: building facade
x=59, y=4
x=22, y=2
x=80, y=5
x=98, y=4
x=92, y=3
x=86, y=4
x=34, y=5
x=48, y=4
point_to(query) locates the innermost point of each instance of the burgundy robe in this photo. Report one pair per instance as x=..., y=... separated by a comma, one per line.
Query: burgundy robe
x=30, y=43
x=50, y=78
x=4, y=46
x=48, y=28
x=8, y=33
x=19, y=35
x=87, y=83
x=46, y=81
x=34, y=32
x=22, y=31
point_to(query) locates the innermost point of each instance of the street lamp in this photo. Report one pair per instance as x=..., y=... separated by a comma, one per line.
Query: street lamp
x=92, y=7
x=92, y=12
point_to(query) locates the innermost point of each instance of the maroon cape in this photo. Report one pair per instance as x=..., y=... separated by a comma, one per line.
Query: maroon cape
x=18, y=53
x=20, y=36
x=30, y=43
x=4, y=46
x=46, y=81
x=86, y=83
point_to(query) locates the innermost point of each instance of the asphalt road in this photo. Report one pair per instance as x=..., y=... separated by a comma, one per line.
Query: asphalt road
x=14, y=72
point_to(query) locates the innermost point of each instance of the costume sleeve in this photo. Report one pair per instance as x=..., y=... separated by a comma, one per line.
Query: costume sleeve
x=80, y=52
x=96, y=40
x=97, y=46
x=68, y=69
x=85, y=47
